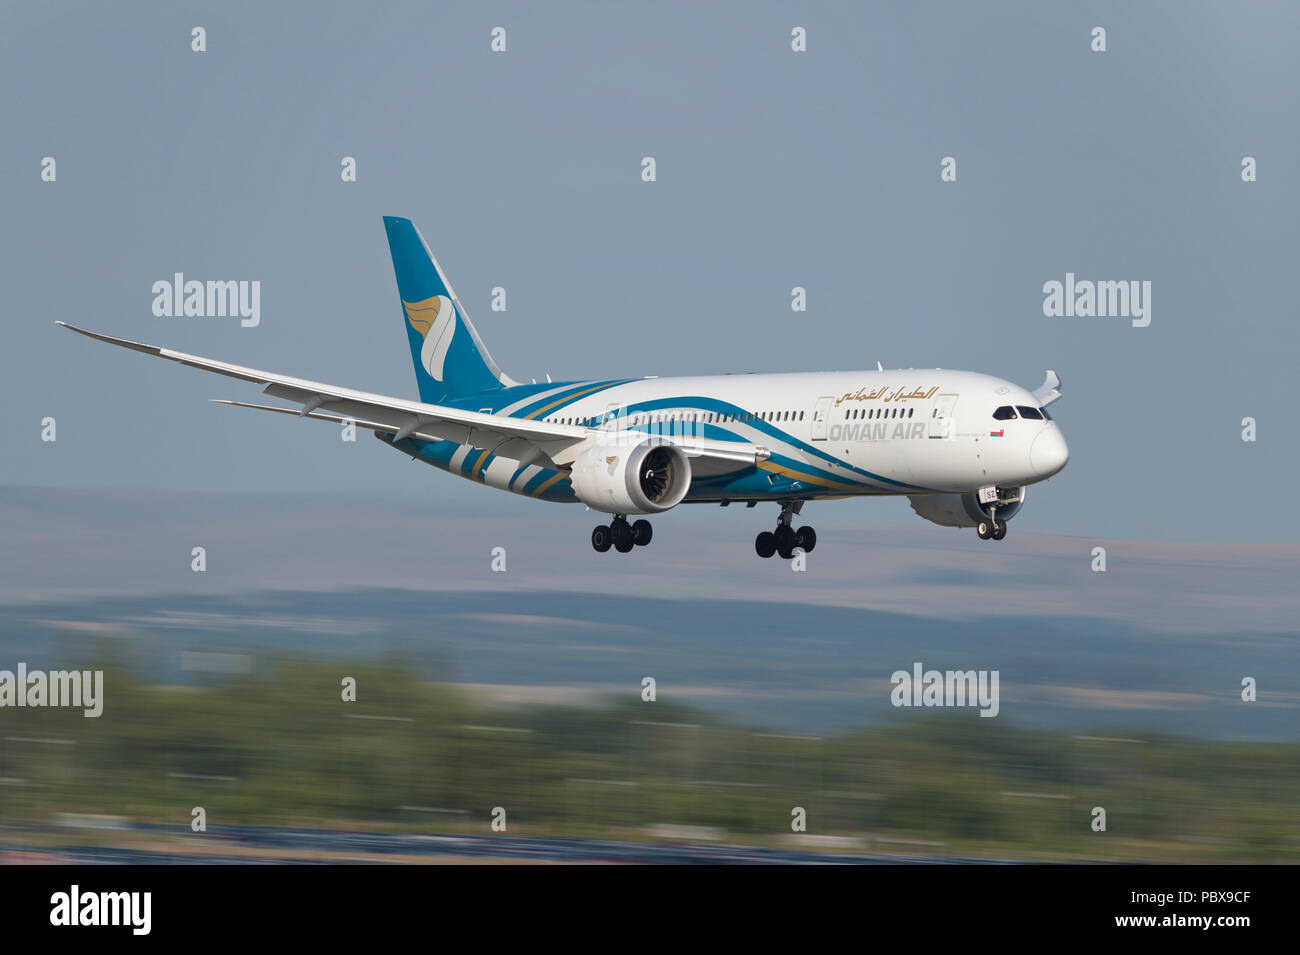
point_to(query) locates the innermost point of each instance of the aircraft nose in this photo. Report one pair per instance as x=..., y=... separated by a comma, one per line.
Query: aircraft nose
x=1048, y=453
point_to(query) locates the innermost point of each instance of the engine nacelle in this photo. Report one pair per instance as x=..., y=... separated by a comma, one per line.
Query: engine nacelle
x=635, y=475
x=964, y=510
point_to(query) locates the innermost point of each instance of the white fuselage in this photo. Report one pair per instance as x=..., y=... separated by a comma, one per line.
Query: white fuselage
x=830, y=434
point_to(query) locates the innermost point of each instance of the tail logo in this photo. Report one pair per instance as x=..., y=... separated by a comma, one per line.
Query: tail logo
x=435, y=319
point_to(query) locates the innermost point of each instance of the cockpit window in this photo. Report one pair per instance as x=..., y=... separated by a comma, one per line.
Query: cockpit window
x=1028, y=412
x=1005, y=413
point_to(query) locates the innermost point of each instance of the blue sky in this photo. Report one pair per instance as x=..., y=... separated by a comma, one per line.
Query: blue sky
x=775, y=169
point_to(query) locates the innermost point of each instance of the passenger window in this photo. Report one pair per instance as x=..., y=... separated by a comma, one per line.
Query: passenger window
x=1005, y=413
x=1032, y=413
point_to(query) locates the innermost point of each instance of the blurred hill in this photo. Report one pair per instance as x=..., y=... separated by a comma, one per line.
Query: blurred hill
x=783, y=666
x=1161, y=640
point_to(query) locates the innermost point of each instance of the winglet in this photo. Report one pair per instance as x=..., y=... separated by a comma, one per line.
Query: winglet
x=1049, y=390
x=125, y=343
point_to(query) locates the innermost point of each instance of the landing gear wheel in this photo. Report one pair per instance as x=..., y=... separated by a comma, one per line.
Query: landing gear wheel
x=984, y=529
x=806, y=538
x=765, y=544
x=999, y=529
x=642, y=532
x=624, y=540
x=601, y=538
x=785, y=538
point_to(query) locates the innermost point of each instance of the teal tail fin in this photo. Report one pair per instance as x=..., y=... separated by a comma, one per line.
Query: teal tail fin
x=450, y=358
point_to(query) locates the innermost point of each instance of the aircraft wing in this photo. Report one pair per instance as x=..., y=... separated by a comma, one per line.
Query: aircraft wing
x=560, y=443
x=1049, y=390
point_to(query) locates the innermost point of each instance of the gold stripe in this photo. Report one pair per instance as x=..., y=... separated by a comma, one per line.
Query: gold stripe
x=478, y=465
x=810, y=479
x=548, y=482
x=561, y=401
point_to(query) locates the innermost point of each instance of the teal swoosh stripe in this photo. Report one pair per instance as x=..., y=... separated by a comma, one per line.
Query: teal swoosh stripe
x=557, y=402
x=541, y=477
x=723, y=407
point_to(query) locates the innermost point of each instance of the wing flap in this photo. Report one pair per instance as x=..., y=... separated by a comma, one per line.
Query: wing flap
x=314, y=415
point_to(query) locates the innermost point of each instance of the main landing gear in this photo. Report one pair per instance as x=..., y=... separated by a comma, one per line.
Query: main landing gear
x=621, y=535
x=785, y=538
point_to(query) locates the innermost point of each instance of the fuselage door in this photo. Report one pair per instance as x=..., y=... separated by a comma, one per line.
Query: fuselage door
x=941, y=416
x=615, y=413
x=820, y=417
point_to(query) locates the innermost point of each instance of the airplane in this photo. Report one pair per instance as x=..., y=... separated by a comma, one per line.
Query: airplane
x=961, y=446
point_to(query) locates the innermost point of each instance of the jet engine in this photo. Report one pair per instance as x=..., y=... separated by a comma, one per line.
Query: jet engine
x=631, y=477
x=965, y=510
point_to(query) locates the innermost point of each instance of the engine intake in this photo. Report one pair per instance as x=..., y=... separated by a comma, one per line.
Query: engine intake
x=631, y=477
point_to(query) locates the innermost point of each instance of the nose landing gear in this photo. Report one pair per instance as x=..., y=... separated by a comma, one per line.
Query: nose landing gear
x=991, y=527
x=785, y=538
